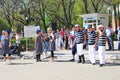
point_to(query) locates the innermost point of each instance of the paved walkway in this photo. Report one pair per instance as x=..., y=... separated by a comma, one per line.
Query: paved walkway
x=61, y=69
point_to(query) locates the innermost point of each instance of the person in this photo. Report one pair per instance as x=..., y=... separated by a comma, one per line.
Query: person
x=101, y=44
x=119, y=38
x=51, y=43
x=38, y=45
x=92, y=38
x=66, y=38
x=5, y=45
x=80, y=39
x=63, y=34
x=109, y=33
x=46, y=44
x=74, y=49
x=18, y=42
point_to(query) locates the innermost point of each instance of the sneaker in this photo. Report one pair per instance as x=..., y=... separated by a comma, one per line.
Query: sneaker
x=93, y=63
x=78, y=61
x=9, y=62
x=101, y=65
x=5, y=63
x=72, y=60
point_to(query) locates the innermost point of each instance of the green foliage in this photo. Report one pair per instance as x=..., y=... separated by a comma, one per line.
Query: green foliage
x=4, y=25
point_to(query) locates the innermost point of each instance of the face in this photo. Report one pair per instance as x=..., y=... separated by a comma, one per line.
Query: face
x=6, y=33
x=49, y=31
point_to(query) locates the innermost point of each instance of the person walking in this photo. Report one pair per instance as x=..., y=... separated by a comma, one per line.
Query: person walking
x=51, y=43
x=92, y=42
x=38, y=45
x=101, y=44
x=5, y=45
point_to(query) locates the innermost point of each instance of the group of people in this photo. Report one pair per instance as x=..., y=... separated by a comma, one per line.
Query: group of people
x=77, y=40
x=93, y=37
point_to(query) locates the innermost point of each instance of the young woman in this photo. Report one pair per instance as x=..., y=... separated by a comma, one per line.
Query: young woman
x=51, y=43
x=38, y=45
x=5, y=44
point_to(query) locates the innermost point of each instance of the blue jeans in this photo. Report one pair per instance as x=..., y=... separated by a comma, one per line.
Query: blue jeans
x=46, y=46
x=110, y=43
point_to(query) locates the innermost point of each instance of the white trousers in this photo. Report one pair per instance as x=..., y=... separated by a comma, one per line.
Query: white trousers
x=101, y=51
x=80, y=49
x=92, y=54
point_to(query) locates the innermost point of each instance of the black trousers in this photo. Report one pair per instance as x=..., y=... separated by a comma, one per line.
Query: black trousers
x=52, y=54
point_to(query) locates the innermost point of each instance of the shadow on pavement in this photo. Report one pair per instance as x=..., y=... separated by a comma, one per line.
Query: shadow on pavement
x=20, y=63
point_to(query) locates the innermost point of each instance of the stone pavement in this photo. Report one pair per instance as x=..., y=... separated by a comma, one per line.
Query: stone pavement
x=26, y=68
x=61, y=69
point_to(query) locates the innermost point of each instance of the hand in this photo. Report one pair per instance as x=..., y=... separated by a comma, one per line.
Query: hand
x=84, y=43
x=95, y=46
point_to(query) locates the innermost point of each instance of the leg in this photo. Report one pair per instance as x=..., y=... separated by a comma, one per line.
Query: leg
x=4, y=57
x=52, y=55
x=83, y=58
x=102, y=55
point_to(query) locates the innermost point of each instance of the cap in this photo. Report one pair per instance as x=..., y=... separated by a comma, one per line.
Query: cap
x=76, y=25
x=99, y=26
x=38, y=31
x=7, y=31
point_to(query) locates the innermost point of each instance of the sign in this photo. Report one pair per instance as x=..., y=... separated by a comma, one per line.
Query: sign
x=30, y=31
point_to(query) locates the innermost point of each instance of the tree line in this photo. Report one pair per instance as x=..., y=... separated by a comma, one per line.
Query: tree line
x=43, y=13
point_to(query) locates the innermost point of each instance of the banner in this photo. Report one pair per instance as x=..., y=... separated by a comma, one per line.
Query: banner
x=30, y=31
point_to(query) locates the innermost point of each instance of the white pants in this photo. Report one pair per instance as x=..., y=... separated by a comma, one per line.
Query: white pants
x=92, y=54
x=80, y=49
x=101, y=51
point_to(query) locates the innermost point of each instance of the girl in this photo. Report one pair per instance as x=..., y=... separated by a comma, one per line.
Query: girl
x=51, y=43
x=5, y=44
x=38, y=46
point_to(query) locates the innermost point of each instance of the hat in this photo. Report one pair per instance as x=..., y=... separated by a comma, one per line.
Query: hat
x=38, y=31
x=76, y=25
x=7, y=31
x=99, y=26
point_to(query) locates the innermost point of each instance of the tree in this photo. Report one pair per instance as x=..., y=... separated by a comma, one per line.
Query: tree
x=4, y=25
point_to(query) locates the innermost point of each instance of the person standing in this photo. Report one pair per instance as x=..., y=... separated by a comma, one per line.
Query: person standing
x=74, y=49
x=109, y=33
x=119, y=38
x=80, y=40
x=92, y=41
x=101, y=44
x=5, y=45
x=51, y=43
x=66, y=38
x=38, y=45
x=18, y=42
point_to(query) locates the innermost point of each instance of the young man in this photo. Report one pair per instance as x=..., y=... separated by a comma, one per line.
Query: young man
x=101, y=44
x=92, y=41
x=80, y=39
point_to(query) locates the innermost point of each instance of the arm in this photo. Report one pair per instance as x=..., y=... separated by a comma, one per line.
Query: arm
x=35, y=42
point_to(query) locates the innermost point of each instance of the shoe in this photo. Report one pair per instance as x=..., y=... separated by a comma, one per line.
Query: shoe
x=78, y=61
x=5, y=63
x=101, y=65
x=72, y=60
x=93, y=63
x=9, y=62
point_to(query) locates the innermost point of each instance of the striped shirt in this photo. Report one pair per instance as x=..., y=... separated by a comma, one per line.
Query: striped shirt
x=79, y=37
x=102, y=40
x=91, y=37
